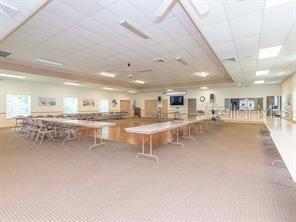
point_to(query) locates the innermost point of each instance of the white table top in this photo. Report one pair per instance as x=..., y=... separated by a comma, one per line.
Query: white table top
x=157, y=127
x=283, y=134
x=196, y=119
x=81, y=123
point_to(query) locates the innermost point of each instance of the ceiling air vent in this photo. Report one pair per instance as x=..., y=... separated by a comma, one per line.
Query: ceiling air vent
x=231, y=59
x=7, y=10
x=160, y=60
x=4, y=54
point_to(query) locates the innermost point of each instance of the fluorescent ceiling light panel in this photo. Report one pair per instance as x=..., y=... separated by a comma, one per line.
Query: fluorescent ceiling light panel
x=131, y=91
x=107, y=88
x=200, y=6
x=49, y=62
x=12, y=76
x=176, y=93
x=202, y=74
x=272, y=3
x=204, y=87
x=72, y=83
x=169, y=90
x=259, y=81
x=133, y=29
x=139, y=81
x=269, y=52
x=164, y=9
x=262, y=73
x=108, y=74
x=182, y=61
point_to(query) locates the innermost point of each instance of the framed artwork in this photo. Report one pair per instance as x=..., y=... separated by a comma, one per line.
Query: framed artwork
x=47, y=101
x=88, y=103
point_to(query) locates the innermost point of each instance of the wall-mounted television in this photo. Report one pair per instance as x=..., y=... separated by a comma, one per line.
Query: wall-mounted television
x=177, y=100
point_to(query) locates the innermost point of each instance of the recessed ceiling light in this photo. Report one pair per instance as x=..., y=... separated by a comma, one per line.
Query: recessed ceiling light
x=132, y=91
x=262, y=73
x=204, y=87
x=133, y=29
x=108, y=74
x=272, y=3
x=107, y=88
x=139, y=81
x=49, y=62
x=202, y=74
x=269, y=52
x=169, y=90
x=259, y=81
x=12, y=76
x=72, y=83
x=164, y=9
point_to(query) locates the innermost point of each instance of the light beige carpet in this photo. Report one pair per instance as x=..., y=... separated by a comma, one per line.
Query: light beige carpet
x=225, y=176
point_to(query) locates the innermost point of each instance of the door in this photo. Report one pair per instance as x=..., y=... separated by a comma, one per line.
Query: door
x=191, y=107
x=125, y=106
x=151, y=108
x=165, y=108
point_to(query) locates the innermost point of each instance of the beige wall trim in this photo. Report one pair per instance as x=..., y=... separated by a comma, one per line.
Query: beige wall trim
x=17, y=67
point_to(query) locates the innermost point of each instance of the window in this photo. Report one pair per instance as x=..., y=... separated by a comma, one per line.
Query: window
x=18, y=105
x=104, y=105
x=70, y=105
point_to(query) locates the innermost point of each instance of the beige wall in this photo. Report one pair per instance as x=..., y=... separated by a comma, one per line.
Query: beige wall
x=220, y=93
x=36, y=90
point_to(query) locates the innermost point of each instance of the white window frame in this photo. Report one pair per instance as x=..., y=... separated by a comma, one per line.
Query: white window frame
x=75, y=110
x=106, y=108
x=20, y=112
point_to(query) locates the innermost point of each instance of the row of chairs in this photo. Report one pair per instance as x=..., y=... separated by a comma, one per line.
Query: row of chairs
x=38, y=130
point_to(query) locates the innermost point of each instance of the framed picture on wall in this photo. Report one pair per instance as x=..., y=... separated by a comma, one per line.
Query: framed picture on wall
x=47, y=101
x=88, y=103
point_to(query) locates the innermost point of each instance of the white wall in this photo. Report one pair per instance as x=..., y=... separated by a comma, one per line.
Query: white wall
x=36, y=90
x=220, y=93
x=288, y=89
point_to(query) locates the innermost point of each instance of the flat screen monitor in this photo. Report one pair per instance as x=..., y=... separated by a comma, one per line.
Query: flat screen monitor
x=177, y=100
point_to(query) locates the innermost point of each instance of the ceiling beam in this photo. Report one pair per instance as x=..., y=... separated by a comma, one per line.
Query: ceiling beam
x=22, y=68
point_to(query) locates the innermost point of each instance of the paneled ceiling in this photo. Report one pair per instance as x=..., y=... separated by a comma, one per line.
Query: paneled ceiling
x=86, y=38
x=245, y=27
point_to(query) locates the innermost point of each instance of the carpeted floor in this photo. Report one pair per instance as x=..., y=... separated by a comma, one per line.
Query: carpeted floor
x=225, y=176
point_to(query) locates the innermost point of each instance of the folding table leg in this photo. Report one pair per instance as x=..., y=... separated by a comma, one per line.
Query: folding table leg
x=95, y=140
x=146, y=155
x=176, y=132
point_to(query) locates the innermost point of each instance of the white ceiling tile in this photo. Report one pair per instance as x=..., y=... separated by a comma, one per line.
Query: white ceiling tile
x=246, y=26
x=86, y=8
x=239, y=8
x=122, y=9
x=63, y=11
x=216, y=14
x=173, y=28
x=271, y=39
x=187, y=23
x=247, y=44
x=211, y=31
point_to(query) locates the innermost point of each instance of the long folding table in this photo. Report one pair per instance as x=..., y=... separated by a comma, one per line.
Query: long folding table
x=147, y=132
x=283, y=134
x=96, y=125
